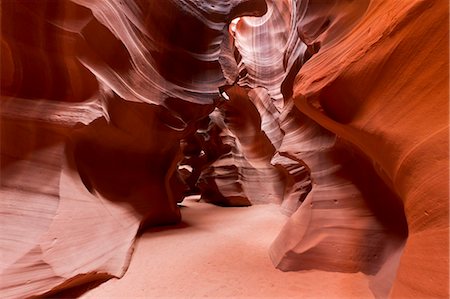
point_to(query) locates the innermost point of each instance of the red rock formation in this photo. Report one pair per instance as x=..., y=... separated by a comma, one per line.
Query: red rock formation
x=380, y=89
x=99, y=170
x=336, y=110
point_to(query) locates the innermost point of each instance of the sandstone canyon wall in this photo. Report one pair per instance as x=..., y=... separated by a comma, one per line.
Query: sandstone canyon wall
x=113, y=111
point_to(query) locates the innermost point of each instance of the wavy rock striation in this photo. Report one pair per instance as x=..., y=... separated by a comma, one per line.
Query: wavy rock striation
x=363, y=88
x=99, y=170
x=336, y=110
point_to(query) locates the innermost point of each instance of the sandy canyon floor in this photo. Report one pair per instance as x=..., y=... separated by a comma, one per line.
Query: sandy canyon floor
x=222, y=252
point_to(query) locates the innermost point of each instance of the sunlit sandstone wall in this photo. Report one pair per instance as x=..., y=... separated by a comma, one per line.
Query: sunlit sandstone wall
x=383, y=88
x=80, y=179
x=342, y=120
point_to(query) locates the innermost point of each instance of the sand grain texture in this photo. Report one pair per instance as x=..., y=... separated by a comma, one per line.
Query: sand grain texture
x=222, y=252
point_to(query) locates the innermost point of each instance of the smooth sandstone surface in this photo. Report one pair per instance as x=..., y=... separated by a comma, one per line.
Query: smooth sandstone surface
x=222, y=253
x=392, y=110
x=331, y=123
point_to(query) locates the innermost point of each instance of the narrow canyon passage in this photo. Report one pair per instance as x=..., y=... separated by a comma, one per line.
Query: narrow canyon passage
x=313, y=133
x=221, y=252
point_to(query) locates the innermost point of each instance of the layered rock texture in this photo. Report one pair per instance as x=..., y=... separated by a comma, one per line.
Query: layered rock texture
x=336, y=110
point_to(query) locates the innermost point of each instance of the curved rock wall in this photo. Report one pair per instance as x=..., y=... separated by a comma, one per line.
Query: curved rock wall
x=79, y=180
x=382, y=90
x=336, y=110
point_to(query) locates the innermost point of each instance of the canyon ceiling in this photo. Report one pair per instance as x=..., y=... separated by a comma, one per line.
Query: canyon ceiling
x=112, y=111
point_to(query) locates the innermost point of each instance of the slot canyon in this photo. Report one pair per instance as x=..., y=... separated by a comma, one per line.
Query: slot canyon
x=224, y=149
